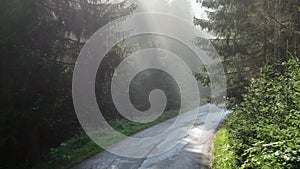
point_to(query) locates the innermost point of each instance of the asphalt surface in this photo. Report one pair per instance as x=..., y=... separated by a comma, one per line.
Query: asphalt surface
x=193, y=136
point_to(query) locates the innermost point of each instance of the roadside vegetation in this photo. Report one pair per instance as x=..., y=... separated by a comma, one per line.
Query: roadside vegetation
x=223, y=154
x=263, y=131
x=263, y=82
x=81, y=147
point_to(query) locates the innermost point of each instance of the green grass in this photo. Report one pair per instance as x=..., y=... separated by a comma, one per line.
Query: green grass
x=81, y=147
x=223, y=155
x=69, y=153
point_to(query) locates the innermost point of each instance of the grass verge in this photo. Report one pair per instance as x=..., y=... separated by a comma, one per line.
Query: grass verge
x=81, y=147
x=223, y=155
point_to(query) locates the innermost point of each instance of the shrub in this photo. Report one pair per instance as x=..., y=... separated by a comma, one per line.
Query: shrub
x=264, y=129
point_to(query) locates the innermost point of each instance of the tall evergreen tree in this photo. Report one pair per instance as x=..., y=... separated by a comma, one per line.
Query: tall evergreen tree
x=251, y=33
x=40, y=39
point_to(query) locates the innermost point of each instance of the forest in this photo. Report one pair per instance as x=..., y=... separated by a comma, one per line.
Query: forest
x=258, y=42
x=40, y=41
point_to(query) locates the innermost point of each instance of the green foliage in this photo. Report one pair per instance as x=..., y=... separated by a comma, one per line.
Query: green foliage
x=264, y=129
x=223, y=154
x=40, y=40
x=250, y=34
x=80, y=147
x=70, y=152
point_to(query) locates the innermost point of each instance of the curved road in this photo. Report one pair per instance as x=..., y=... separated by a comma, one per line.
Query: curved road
x=192, y=151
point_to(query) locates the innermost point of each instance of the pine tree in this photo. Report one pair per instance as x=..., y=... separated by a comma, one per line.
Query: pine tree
x=250, y=34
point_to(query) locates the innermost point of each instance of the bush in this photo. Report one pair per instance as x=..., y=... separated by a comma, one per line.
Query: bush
x=264, y=129
x=223, y=154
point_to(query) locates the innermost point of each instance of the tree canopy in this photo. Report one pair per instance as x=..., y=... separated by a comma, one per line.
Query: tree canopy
x=40, y=40
x=250, y=34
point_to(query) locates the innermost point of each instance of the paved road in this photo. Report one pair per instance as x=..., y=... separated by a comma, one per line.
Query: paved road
x=192, y=149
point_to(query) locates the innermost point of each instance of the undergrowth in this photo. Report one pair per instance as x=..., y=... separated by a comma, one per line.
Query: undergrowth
x=263, y=132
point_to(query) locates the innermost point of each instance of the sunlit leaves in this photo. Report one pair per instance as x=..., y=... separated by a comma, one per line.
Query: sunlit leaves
x=266, y=124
